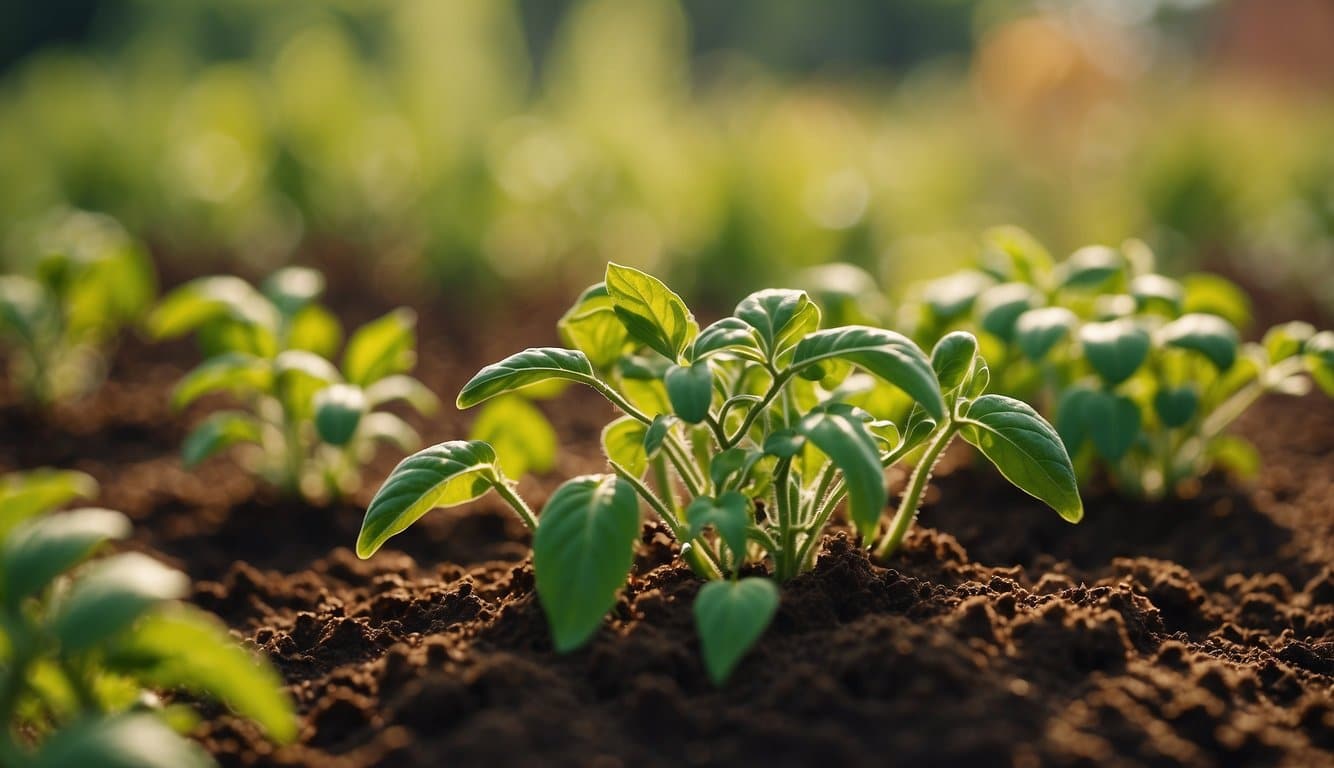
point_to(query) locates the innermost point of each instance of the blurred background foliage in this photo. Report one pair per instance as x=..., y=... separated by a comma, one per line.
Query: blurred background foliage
x=723, y=145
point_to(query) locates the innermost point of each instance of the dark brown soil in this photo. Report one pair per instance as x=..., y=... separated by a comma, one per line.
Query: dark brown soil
x=1196, y=633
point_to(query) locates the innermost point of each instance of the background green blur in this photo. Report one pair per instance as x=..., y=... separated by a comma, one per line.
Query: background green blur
x=724, y=145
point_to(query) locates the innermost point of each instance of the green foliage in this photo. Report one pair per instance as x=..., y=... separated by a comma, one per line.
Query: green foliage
x=311, y=424
x=84, y=641
x=765, y=423
x=1141, y=373
x=86, y=280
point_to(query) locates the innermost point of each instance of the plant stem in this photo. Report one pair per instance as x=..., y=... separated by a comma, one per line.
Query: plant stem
x=912, y=497
x=707, y=567
x=506, y=492
x=617, y=400
x=685, y=467
x=779, y=381
x=787, y=529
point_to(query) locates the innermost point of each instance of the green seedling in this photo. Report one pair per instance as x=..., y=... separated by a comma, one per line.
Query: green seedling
x=60, y=315
x=86, y=643
x=764, y=421
x=315, y=423
x=1141, y=373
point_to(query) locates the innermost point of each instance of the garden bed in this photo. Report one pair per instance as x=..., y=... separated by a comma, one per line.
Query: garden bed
x=1199, y=632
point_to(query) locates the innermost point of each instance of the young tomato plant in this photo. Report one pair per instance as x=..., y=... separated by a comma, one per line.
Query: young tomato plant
x=764, y=421
x=1141, y=373
x=315, y=423
x=85, y=281
x=84, y=642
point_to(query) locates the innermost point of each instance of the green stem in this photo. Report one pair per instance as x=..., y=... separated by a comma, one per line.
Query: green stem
x=707, y=567
x=617, y=400
x=787, y=529
x=506, y=492
x=779, y=381
x=912, y=497
x=685, y=467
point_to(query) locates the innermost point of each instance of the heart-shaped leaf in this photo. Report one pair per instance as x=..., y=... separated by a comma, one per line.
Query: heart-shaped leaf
x=1156, y=293
x=381, y=348
x=1176, y=407
x=652, y=314
x=690, y=388
x=1038, y=330
x=443, y=475
x=730, y=616
x=1072, y=416
x=524, y=368
x=1209, y=335
x=338, y=411
x=1091, y=266
x=1115, y=349
x=729, y=514
x=1026, y=450
x=951, y=297
x=730, y=335
x=1113, y=423
x=848, y=443
x=888, y=355
x=582, y=553
x=998, y=308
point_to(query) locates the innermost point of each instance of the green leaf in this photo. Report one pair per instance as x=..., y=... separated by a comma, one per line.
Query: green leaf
x=234, y=372
x=1287, y=340
x=39, y=550
x=730, y=335
x=592, y=327
x=952, y=359
x=120, y=741
x=292, y=288
x=1157, y=293
x=530, y=366
x=1236, y=456
x=1210, y=335
x=1115, y=349
x=1113, y=422
x=522, y=438
x=885, y=354
x=298, y=376
x=999, y=307
x=691, y=390
x=315, y=329
x=1176, y=407
x=388, y=428
x=110, y=596
x=402, y=388
x=1214, y=295
x=25, y=307
x=784, y=443
x=382, y=348
x=951, y=297
x=651, y=313
x=443, y=475
x=1026, y=450
x=623, y=442
x=656, y=433
x=206, y=299
x=731, y=462
x=848, y=443
x=1319, y=352
x=1072, y=416
x=582, y=553
x=184, y=647
x=780, y=317
x=730, y=617
x=729, y=514
x=1090, y=267
x=218, y=432
x=24, y=495
x=1016, y=254
x=1038, y=330
x=338, y=411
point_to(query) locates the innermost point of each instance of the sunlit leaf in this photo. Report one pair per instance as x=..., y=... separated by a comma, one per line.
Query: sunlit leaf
x=730, y=617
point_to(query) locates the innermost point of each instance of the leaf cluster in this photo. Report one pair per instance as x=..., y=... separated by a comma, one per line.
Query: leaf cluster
x=315, y=423
x=1140, y=372
x=742, y=437
x=85, y=281
x=85, y=642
